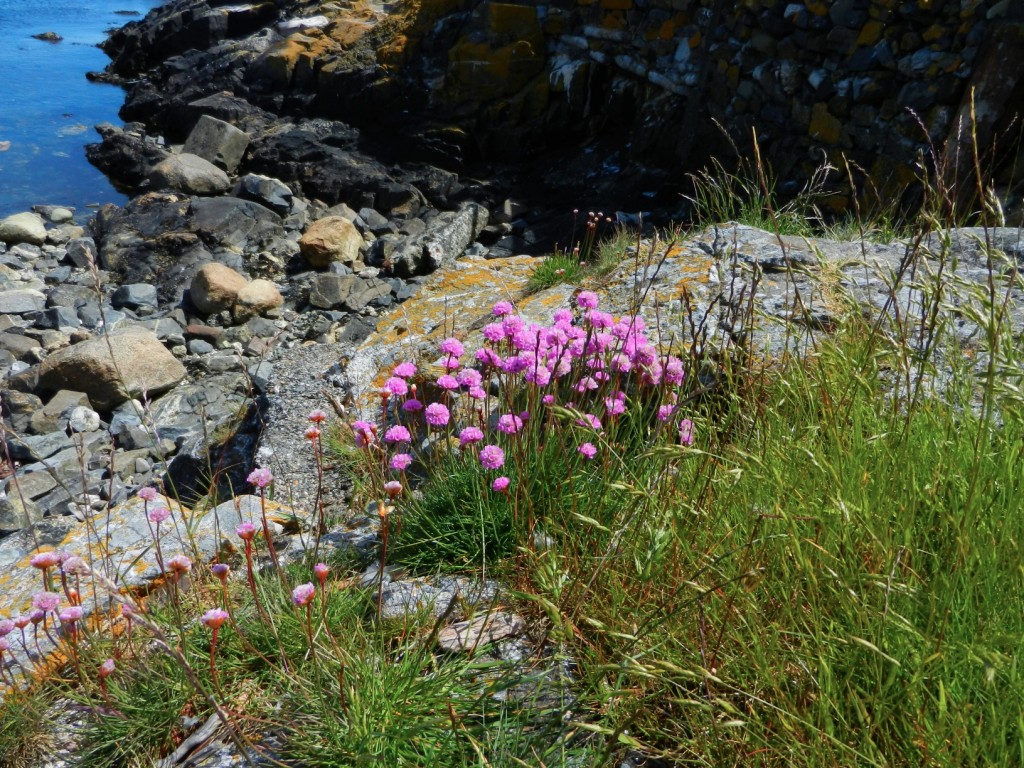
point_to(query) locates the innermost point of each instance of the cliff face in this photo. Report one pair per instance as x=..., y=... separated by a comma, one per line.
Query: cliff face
x=656, y=85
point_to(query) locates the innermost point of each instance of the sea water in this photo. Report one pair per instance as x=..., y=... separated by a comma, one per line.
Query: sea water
x=47, y=106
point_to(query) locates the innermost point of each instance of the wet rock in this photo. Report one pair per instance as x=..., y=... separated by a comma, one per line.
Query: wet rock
x=331, y=239
x=217, y=142
x=48, y=37
x=23, y=228
x=112, y=369
x=190, y=174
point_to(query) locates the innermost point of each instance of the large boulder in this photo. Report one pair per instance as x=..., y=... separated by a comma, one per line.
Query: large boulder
x=330, y=239
x=190, y=174
x=218, y=142
x=125, y=364
x=257, y=298
x=23, y=228
x=215, y=288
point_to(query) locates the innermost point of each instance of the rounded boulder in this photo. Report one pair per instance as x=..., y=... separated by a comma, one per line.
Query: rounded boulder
x=331, y=239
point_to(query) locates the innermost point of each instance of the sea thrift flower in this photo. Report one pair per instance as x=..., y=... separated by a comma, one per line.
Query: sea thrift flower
x=22, y=621
x=75, y=566
x=318, y=416
x=493, y=332
x=6, y=627
x=477, y=393
x=469, y=377
x=673, y=373
x=392, y=488
x=246, y=531
x=686, y=432
x=586, y=300
x=502, y=308
x=437, y=415
x=486, y=356
x=159, y=514
x=397, y=434
x=179, y=565
x=588, y=451
x=500, y=484
x=214, y=618
x=70, y=615
x=302, y=595
x=45, y=601
x=221, y=571
x=548, y=399
x=492, y=457
x=404, y=370
x=260, y=478
x=509, y=423
x=665, y=412
x=312, y=432
x=397, y=386
x=148, y=493
x=412, y=405
x=470, y=435
x=45, y=560
x=448, y=382
x=320, y=570
x=452, y=347
x=106, y=669
x=590, y=420
x=400, y=462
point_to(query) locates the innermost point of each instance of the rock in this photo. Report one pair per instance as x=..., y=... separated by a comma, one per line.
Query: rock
x=20, y=301
x=217, y=142
x=274, y=194
x=17, y=513
x=123, y=364
x=135, y=296
x=126, y=157
x=257, y=298
x=57, y=318
x=261, y=375
x=348, y=292
x=331, y=239
x=48, y=37
x=81, y=419
x=483, y=630
x=81, y=251
x=20, y=407
x=47, y=418
x=215, y=288
x=445, y=240
x=23, y=228
x=190, y=174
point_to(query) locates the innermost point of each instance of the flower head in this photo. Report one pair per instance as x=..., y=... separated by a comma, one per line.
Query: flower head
x=320, y=570
x=412, y=405
x=261, y=477
x=396, y=386
x=303, y=594
x=400, y=462
x=586, y=300
x=214, y=618
x=501, y=308
x=448, y=382
x=221, y=571
x=179, y=564
x=665, y=412
x=469, y=377
x=6, y=627
x=392, y=488
x=509, y=423
x=452, y=347
x=317, y=416
x=686, y=432
x=45, y=560
x=500, y=484
x=312, y=432
x=404, y=370
x=70, y=615
x=106, y=669
x=45, y=601
x=492, y=457
x=470, y=435
x=437, y=415
x=397, y=434
x=148, y=493
x=75, y=566
x=588, y=451
x=246, y=531
x=159, y=514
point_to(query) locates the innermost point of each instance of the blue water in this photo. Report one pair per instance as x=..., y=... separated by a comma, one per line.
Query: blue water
x=48, y=108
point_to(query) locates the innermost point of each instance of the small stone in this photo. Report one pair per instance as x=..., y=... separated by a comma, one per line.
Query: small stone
x=481, y=631
x=82, y=419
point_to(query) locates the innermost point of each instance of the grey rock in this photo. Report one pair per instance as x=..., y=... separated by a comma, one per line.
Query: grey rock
x=17, y=513
x=20, y=407
x=347, y=292
x=274, y=194
x=135, y=296
x=47, y=418
x=23, y=228
x=30, y=485
x=261, y=376
x=58, y=317
x=445, y=240
x=20, y=301
x=374, y=221
x=38, y=447
x=190, y=174
x=217, y=142
x=481, y=631
x=80, y=418
x=81, y=251
x=21, y=347
x=199, y=347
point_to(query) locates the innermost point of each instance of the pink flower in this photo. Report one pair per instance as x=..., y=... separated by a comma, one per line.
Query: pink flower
x=502, y=308
x=106, y=669
x=320, y=570
x=179, y=564
x=686, y=432
x=674, y=371
x=397, y=434
x=548, y=399
x=489, y=357
x=318, y=416
x=588, y=451
x=469, y=377
x=214, y=618
x=590, y=420
x=586, y=300
x=6, y=627
x=615, y=406
x=404, y=370
x=448, y=382
x=493, y=332
x=45, y=560
x=400, y=462
x=221, y=571
x=492, y=457
x=392, y=488
x=437, y=415
x=562, y=317
x=70, y=615
x=396, y=386
x=500, y=484
x=75, y=566
x=159, y=514
x=665, y=412
x=412, y=405
x=452, y=347
x=22, y=621
x=512, y=325
x=598, y=319
x=246, y=531
x=260, y=478
x=477, y=393
x=509, y=423
x=312, y=432
x=302, y=595
x=470, y=435
x=148, y=493
x=45, y=601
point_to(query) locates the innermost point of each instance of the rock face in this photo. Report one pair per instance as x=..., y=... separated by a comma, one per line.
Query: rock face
x=218, y=142
x=331, y=239
x=190, y=174
x=215, y=288
x=112, y=369
x=23, y=228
